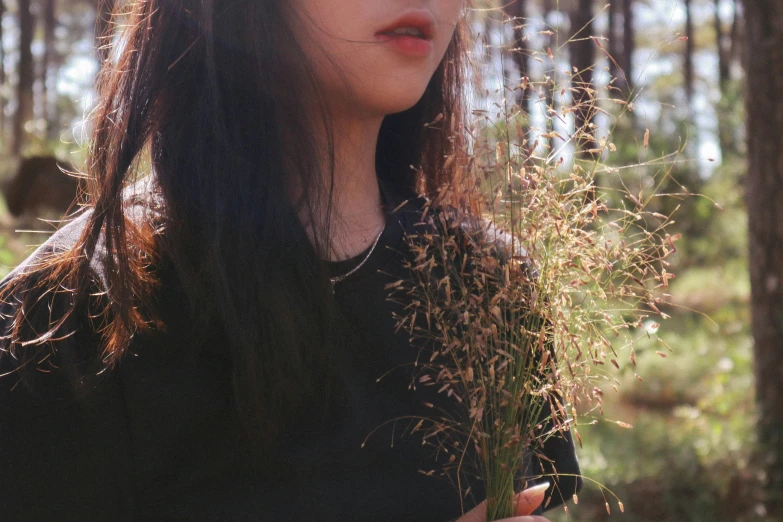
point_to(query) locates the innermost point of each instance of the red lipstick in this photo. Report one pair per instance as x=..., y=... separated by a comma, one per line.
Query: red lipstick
x=411, y=33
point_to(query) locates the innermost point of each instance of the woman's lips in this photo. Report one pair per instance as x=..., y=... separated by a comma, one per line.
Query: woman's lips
x=407, y=44
x=417, y=21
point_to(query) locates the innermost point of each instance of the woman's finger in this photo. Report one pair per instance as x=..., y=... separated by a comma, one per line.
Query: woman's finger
x=526, y=501
x=479, y=514
x=531, y=518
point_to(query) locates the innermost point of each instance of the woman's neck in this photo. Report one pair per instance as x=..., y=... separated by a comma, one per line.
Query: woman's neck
x=357, y=216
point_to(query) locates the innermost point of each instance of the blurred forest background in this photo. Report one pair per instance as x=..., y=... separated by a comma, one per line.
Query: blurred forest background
x=704, y=77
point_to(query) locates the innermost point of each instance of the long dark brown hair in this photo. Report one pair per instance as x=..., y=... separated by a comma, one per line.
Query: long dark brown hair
x=204, y=89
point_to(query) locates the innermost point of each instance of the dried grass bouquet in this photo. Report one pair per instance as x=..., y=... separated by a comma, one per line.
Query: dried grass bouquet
x=530, y=281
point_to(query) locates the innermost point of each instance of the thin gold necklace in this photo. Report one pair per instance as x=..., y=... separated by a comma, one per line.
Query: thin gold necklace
x=339, y=278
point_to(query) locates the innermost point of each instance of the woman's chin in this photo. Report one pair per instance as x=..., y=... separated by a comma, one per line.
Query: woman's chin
x=394, y=105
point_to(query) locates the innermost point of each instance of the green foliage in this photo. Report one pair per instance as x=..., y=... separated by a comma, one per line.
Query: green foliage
x=690, y=448
x=688, y=456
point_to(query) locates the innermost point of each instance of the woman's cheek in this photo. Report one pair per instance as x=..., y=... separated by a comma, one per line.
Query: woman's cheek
x=377, y=83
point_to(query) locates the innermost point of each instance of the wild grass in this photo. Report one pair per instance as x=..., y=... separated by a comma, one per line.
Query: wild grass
x=530, y=312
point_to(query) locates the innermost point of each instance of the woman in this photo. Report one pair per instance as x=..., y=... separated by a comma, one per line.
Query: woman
x=206, y=343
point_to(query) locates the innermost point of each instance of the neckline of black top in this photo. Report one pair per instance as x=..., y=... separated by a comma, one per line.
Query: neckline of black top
x=388, y=243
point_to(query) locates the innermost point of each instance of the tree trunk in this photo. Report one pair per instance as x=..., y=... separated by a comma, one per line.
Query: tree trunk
x=583, y=60
x=2, y=47
x=629, y=43
x=516, y=11
x=48, y=67
x=613, y=46
x=764, y=193
x=720, y=46
x=688, y=68
x=725, y=130
x=24, y=90
x=737, y=35
x=2, y=71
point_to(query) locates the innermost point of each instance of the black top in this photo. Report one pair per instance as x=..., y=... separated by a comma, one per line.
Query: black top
x=159, y=440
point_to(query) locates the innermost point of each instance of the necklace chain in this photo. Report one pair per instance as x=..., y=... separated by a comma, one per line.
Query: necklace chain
x=339, y=278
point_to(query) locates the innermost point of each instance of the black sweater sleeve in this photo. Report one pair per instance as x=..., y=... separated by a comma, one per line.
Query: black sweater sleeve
x=60, y=458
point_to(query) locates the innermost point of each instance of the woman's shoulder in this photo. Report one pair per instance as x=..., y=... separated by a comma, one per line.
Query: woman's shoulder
x=471, y=230
x=485, y=232
x=35, y=297
x=142, y=204
x=62, y=240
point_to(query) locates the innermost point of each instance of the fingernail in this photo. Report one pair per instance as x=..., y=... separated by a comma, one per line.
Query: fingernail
x=529, y=499
x=538, y=489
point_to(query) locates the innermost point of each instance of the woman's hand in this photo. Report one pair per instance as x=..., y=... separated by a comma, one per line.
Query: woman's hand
x=525, y=503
